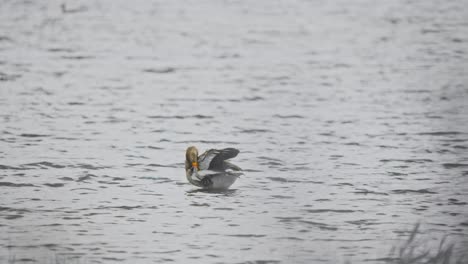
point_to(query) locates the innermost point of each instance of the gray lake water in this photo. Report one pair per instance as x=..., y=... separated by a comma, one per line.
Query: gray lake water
x=351, y=118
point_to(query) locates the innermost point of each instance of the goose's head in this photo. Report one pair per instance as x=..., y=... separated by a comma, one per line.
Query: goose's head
x=191, y=159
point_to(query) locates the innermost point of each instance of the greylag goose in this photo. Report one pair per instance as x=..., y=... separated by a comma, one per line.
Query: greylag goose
x=211, y=170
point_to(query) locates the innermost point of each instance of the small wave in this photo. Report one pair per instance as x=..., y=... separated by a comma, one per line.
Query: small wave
x=288, y=219
x=71, y=218
x=318, y=224
x=441, y=133
x=5, y=38
x=43, y=164
x=455, y=202
x=11, y=217
x=181, y=117
x=33, y=135
x=281, y=179
x=254, y=131
x=387, y=147
x=434, y=116
x=89, y=166
x=161, y=165
x=352, y=144
x=251, y=170
x=65, y=179
x=362, y=222
x=55, y=185
x=416, y=91
x=66, y=50
x=272, y=163
x=6, y=167
x=291, y=238
x=407, y=160
x=278, y=179
x=253, y=98
x=392, y=173
x=11, y=184
x=365, y=191
x=342, y=240
x=288, y=116
x=160, y=70
x=109, y=182
x=113, y=259
x=460, y=147
x=85, y=177
x=121, y=87
x=124, y=207
x=454, y=165
x=164, y=180
x=282, y=197
x=11, y=209
x=78, y=57
x=344, y=184
x=84, y=189
x=223, y=208
x=404, y=191
x=269, y=158
x=150, y=147
x=246, y=235
x=67, y=138
x=330, y=211
x=200, y=204
x=75, y=103
x=116, y=178
x=320, y=200
x=53, y=224
x=8, y=77
x=211, y=100
x=168, y=251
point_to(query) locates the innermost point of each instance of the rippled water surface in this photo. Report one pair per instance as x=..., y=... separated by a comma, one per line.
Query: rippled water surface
x=351, y=118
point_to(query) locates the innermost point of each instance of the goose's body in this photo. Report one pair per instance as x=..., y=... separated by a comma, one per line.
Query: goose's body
x=210, y=170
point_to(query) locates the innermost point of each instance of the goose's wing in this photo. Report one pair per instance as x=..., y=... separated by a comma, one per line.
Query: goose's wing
x=213, y=159
x=229, y=166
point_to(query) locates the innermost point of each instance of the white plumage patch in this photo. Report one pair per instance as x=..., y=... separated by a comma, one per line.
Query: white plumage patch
x=206, y=158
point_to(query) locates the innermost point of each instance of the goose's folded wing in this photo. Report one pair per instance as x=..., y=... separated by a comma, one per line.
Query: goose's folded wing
x=204, y=178
x=217, y=179
x=213, y=159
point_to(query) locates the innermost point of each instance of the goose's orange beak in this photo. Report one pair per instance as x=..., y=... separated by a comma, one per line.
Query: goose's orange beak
x=195, y=165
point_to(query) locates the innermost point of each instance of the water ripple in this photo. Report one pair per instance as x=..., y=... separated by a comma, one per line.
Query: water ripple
x=348, y=141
